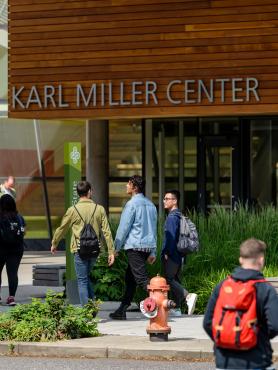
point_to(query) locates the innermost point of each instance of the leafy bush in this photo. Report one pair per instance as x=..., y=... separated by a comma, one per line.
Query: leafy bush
x=109, y=282
x=51, y=320
x=221, y=232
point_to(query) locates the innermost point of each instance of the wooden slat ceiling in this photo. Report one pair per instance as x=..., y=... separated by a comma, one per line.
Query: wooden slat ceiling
x=120, y=42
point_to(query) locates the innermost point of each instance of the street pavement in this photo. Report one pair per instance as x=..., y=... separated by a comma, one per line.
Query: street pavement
x=120, y=339
x=27, y=363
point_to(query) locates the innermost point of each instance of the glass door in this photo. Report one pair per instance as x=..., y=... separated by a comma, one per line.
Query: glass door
x=218, y=161
x=174, y=161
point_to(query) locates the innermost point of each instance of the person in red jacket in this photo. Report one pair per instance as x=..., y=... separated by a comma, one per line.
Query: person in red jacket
x=252, y=259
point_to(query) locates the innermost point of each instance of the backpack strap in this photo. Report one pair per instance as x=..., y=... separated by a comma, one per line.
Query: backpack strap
x=82, y=217
x=79, y=213
x=93, y=214
x=184, y=226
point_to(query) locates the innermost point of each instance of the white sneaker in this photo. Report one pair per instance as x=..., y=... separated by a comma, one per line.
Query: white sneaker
x=191, y=299
x=176, y=312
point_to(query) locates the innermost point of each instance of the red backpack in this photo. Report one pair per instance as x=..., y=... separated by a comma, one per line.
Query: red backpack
x=234, y=324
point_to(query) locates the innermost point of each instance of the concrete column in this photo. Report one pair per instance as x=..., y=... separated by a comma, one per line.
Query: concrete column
x=149, y=159
x=97, y=160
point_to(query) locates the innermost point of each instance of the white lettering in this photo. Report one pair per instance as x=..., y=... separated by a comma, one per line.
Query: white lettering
x=48, y=95
x=222, y=84
x=169, y=92
x=135, y=92
x=188, y=91
x=102, y=94
x=235, y=90
x=151, y=88
x=61, y=104
x=15, y=97
x=252, y=89
x=122, y=94
x=110, y=91
x=80, y=93
x=33, y=98
x=202, y=87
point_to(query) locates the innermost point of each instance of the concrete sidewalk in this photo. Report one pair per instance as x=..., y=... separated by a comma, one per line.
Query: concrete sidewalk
x=128, y=340
x=119, y=339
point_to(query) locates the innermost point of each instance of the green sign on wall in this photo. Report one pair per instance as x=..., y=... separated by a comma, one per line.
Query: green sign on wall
x=72, y=161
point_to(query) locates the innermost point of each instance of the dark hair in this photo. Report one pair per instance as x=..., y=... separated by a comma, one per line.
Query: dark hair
x=138, y=182
x=7, y=205
x=175, y=193
x=252, y=248
x=82, y=188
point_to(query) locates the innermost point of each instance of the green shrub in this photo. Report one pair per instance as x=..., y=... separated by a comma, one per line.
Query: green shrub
x=221, y=232
x=109, y=282
x=51, y=320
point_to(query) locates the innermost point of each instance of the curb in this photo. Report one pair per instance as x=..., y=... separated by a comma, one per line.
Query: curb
x=67, y=349
x=117, y=347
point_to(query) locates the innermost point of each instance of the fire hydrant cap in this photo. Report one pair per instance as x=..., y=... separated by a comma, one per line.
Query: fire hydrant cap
x=158, y=282
x=149, y=305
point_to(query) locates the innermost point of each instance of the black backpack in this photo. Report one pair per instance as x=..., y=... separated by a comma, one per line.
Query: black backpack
x=11, y=231
x=88, y=246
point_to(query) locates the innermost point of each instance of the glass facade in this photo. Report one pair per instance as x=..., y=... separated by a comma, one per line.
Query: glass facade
x=216, y=161
x=264, y=161
x=125, y=159
x=3, y=68
x=19, y=158
x=176, y=162
x=175, y=158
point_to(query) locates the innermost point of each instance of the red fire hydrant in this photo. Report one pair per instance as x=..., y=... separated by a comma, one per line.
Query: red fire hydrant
x=156, y=307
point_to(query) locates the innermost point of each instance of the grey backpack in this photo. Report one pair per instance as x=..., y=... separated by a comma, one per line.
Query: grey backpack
x=188, y=238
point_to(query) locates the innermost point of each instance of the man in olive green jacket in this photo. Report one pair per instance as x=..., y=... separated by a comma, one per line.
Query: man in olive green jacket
x=86, y=208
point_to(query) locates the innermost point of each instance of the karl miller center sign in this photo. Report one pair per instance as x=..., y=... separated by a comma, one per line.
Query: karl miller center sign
x=135, y=93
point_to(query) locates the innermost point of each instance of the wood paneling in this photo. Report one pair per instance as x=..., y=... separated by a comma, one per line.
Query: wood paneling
x=69, y=42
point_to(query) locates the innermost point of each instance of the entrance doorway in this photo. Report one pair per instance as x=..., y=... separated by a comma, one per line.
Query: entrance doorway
x=201, y=157
x=218, y=171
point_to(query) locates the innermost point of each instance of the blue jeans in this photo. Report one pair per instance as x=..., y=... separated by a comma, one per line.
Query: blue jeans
x=83, y=269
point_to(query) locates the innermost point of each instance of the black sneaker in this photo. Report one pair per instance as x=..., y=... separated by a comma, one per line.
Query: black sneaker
x=11, y=301
x=119, y=314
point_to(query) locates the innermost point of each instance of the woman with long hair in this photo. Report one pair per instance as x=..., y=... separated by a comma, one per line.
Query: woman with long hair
x=12, y=227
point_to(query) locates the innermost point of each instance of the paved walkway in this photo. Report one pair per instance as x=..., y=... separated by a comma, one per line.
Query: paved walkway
x=120, y=339
x=26, y=291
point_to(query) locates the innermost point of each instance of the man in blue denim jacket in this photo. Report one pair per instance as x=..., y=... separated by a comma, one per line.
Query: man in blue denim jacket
x=137, y=235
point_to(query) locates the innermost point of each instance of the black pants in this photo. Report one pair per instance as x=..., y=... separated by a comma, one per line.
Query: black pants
x=136, y=274
x=172, y=272
x=12, y=262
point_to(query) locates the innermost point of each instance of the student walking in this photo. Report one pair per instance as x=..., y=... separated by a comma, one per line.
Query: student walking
x=172, y=260
x=137, y=235
x=12, y=229
x=84, y=212
x=241, y=315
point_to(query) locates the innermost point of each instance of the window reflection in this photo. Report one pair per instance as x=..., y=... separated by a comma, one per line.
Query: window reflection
x=264, y=161
x=125, y=159
x=18, y=155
